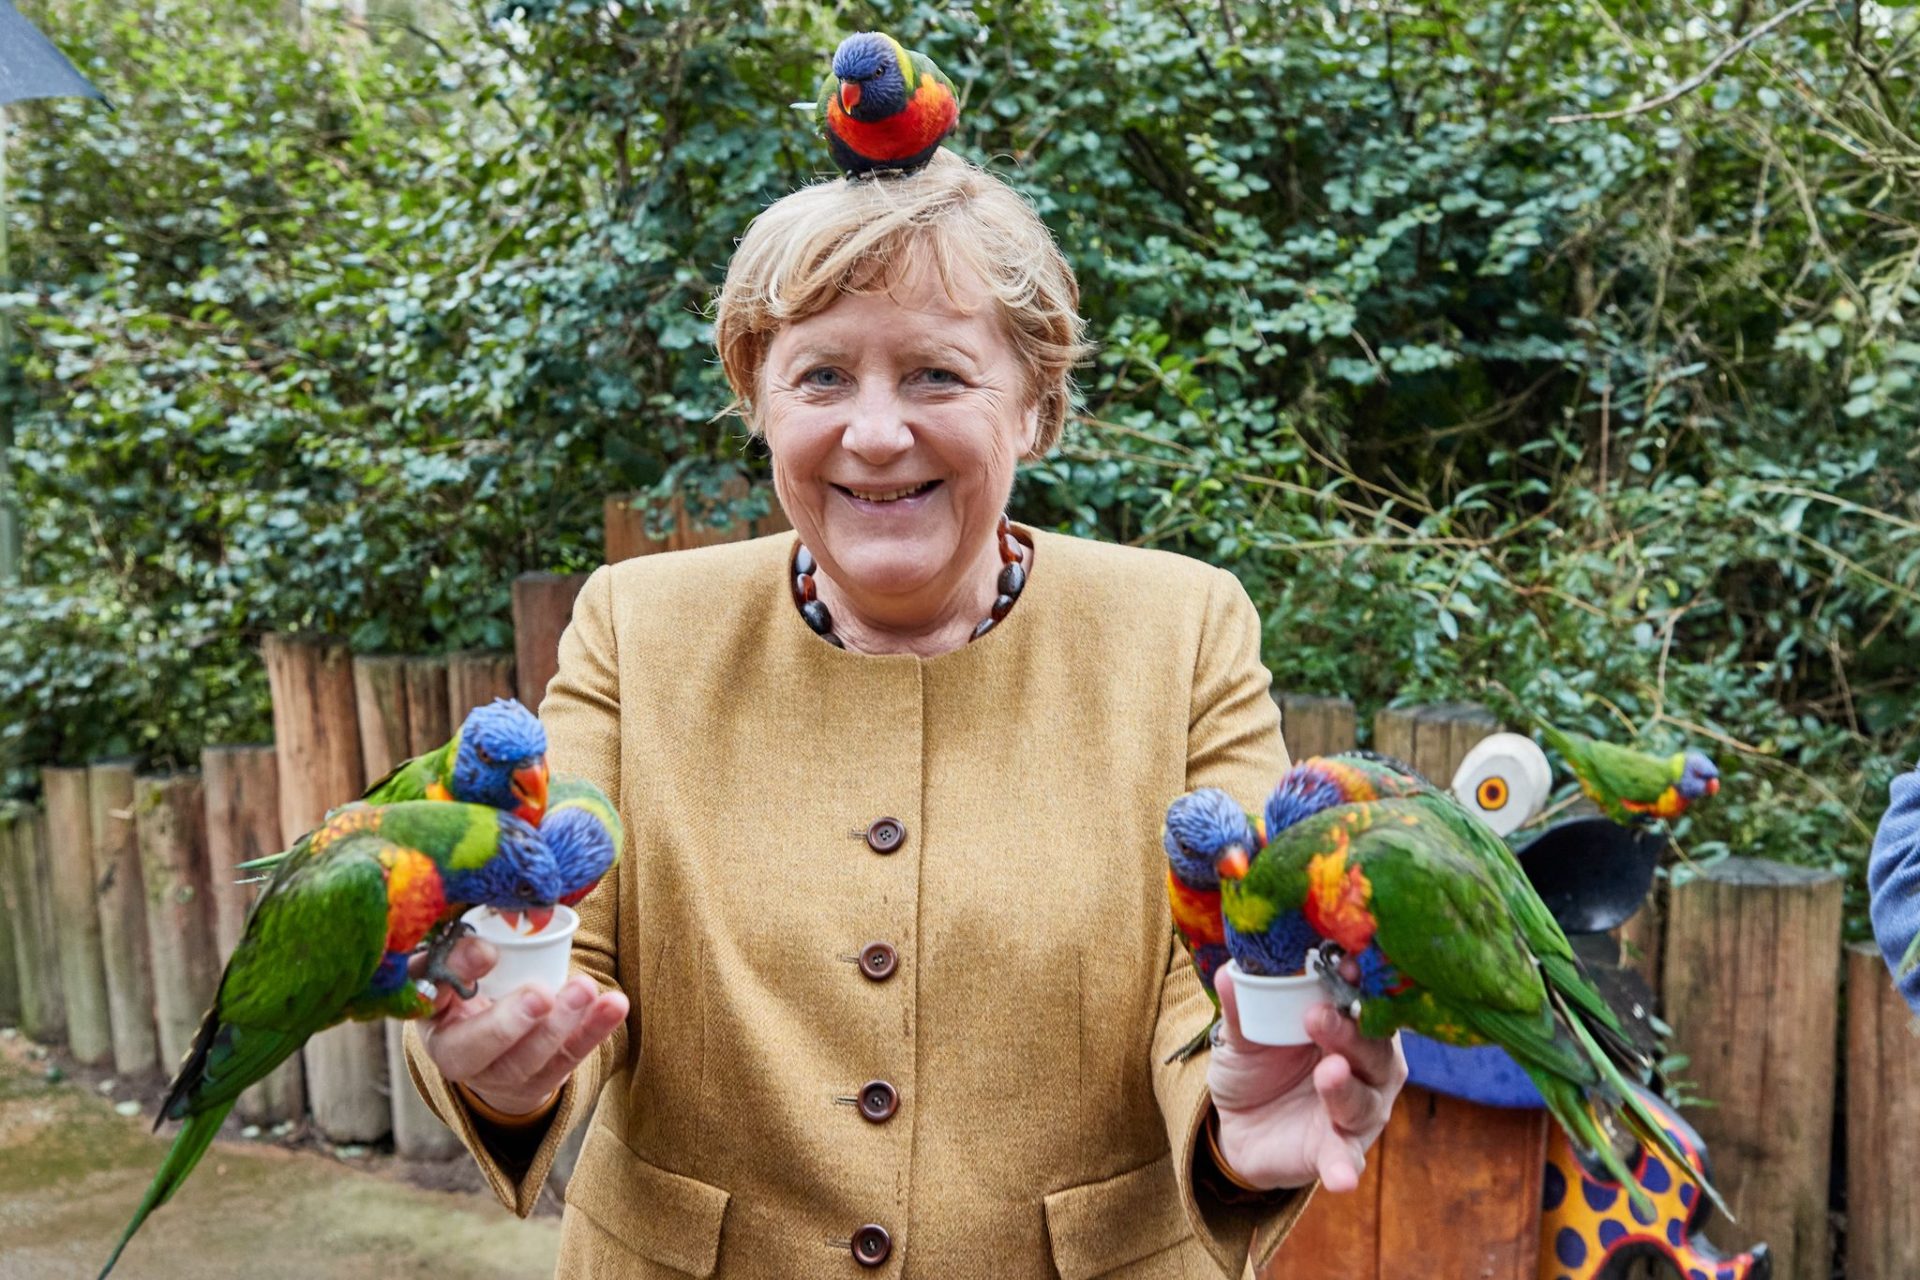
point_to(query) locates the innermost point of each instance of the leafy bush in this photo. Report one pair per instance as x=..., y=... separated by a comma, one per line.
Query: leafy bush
x=1608, y=418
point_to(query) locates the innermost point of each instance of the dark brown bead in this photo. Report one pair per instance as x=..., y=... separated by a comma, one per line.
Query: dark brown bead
x=815, y=612
x=878, y=1101
x=803, y=561
x=884, y=835
x=985, y=625
x=871, y=1245
x=803, y=587
x=1013, y=580
x=1001, y=606
x=834, y=640
x=878, y=960
x=1009, y=550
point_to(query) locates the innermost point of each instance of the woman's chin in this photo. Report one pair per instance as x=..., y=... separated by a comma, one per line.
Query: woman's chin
x=885, y=572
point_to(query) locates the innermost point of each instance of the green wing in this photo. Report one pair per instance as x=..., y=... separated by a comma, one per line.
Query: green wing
x=312, y=943
x=925, y=68
x=409, y=779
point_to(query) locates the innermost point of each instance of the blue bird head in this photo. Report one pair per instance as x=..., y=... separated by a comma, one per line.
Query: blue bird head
x=520, y=876
x=1698, y=777
x=1305, y=789
x=500, y=760
x=583, y=845
x=1207, y=832
x=873, y=85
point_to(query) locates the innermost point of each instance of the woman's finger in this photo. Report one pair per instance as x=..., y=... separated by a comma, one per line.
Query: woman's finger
x=607, y=1011
x=1356, y=1108
x=1381, y=1063
x=465, y=1047
x=531, y=1055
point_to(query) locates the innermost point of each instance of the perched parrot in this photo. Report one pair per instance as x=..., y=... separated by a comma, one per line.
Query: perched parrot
x=884, y=107
x=1631, y=785
x=1446, y=941
x=329, y=940
x=498, y=757
x=1204, y=830
x=583, y=834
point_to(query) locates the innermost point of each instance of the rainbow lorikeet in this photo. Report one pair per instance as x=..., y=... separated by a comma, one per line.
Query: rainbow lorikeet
x=498, y=757
x=1631, y=785
x=583, y=833
x=1446, y=941
x=884, y=107
x=1205, y=829
x=328, y=940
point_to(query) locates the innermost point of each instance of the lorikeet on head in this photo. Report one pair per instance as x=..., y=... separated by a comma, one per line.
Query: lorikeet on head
x=884, y=107
x=1450, y=941
x=583, y=833
x=1631, y=785
x=329, y=940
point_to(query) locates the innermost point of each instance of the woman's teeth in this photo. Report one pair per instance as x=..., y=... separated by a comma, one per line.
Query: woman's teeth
x=889, y=495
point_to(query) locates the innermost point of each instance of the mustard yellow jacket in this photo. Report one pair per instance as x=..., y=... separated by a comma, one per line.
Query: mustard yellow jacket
x=895, y=930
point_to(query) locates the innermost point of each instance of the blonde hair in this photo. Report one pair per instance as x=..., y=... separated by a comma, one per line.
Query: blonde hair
x=862, y=235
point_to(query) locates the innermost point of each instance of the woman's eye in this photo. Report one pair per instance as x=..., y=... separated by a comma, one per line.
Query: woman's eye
x=940, y=377
x=822, y=377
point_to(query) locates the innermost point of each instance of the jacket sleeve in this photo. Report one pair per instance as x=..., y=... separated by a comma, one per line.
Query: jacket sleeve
x=1234, y=743
x=1893, y=880
x=582, y=717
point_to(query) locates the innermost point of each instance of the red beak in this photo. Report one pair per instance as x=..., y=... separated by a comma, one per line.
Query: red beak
x=530, y=789
x=512, y=918
x=1713, y=786
x=1232, y=864
x=540, y=918
x=849, y=94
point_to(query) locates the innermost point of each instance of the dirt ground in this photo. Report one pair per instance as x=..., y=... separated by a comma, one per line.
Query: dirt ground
x=72, y=1169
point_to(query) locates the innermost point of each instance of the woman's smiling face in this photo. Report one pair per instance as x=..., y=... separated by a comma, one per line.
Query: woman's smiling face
x=895, y=420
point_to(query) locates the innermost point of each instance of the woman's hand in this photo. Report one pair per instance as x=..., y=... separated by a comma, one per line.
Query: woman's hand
x=516, y=1052
x=1291, y=1113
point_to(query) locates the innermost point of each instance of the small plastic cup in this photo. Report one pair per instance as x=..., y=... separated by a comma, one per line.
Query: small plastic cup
x=525, y=957
x=1274, y=1010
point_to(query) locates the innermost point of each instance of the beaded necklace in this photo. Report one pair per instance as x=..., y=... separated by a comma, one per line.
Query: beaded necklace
x=1013, y=580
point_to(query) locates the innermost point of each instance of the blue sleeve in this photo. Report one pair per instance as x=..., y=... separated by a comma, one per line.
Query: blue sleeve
x=1893, y=879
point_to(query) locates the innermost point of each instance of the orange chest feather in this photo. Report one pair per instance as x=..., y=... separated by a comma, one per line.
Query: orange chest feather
x=1337, y=897
x=415, y=898
x=929, y=113
x=1196, y=912
x=1669, y=805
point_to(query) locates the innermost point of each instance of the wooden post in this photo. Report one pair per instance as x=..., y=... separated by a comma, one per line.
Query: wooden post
x=1883, y=1123
x=122, y=901
x=1316, y=726
x=1752, y=992
x=10, y=1002
x=170, y=821
x=242, y=786
x=626, y=527
x=380, y=694
x=474, y=679
x=427, y=722
x=44, y=1017
x=83, y=975
x=316, y=736
x=542, y=607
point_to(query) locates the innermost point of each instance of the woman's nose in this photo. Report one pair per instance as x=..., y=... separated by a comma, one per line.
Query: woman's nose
x=877, y=431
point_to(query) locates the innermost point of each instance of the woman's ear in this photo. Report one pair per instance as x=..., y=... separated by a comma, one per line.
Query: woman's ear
x=1029, y=429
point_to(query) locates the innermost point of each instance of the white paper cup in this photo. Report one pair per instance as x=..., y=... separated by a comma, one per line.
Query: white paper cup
x=539, y=957
x=1274, y=1010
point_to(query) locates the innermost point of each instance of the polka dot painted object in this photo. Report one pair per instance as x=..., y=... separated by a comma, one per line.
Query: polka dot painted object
x=1588, y=1230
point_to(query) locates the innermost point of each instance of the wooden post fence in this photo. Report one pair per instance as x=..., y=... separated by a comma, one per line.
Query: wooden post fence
x=474, y=679
x=1316, y=726
x=10, y=1004
x=1883, y=1124
x=23, y=850
x=242, y=786
x=83, y=976
x=542, y=606
x=170, y=821
x=316, y=736
x=626, y=526
x=1752, y=981
x=121, y=897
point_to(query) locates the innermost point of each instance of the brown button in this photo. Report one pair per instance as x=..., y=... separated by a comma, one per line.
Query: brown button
x=878, y=961
x=871, y=1245
x=878, y=1101
x=886, y=835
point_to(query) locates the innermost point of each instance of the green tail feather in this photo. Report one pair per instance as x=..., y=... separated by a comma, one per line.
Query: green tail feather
x=188, y=1146
x=1641, y=1121
x=1910, y=961
x=1196, y=1044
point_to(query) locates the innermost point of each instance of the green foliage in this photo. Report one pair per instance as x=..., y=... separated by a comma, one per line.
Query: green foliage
x=1610, y=418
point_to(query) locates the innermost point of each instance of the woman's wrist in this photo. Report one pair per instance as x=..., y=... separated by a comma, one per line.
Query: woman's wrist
x=504, y=1117
x=1212, y=1130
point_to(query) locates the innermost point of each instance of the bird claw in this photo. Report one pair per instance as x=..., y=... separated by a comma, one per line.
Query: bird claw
x=438, y=951
x=1325, y=962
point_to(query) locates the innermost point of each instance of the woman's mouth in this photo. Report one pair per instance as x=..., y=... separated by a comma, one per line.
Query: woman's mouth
x=904, y=497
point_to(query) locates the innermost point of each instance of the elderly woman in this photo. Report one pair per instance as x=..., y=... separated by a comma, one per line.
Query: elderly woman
x=886, y=978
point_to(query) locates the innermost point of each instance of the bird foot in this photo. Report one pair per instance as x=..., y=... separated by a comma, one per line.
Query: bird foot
x=439, y=949
x=1325, y=962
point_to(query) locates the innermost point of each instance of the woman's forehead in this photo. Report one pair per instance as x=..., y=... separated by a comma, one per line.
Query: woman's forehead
x=964, y=313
